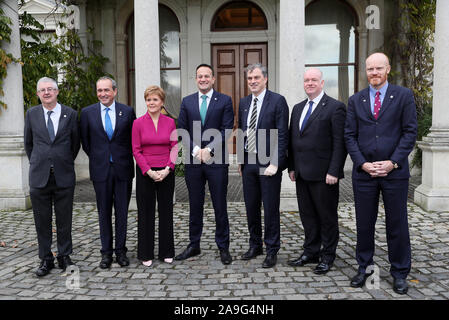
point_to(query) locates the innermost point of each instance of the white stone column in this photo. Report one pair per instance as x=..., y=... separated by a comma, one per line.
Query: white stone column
x=14, y=165
x=194, y=42
x=291, y=70
x=291, y=53
x=108, y=35
x=433, y=193
x=147, y=51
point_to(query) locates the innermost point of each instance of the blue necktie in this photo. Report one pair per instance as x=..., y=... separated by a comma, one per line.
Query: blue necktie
x=309, y=112
x=108, y=124
x=50, y=127
x=108, y=128
x=203, y=109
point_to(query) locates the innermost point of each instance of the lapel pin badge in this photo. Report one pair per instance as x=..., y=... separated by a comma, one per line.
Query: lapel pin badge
x=65, y=116
x=215, y=99
x=391, y=97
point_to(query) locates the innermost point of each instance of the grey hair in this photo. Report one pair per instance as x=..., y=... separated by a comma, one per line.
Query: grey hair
x=114, y=84
x=46, y=79
x=252, y=67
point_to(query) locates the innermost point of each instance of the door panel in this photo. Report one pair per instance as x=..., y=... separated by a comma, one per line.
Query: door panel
x=229, y=62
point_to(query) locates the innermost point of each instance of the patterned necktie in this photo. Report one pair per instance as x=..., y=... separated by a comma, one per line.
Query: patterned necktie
x=50, y=127
x=251, y=143
x=108, y=124
x=309, y=112
x=377, y=105
x=203, y=109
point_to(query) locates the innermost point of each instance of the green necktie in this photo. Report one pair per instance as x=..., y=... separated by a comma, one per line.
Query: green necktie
x=203, y=109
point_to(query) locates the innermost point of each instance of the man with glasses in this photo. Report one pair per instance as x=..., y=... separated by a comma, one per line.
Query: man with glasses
x=52, y=143
x=106, y=138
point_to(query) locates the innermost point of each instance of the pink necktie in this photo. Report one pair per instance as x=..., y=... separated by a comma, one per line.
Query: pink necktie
x=377, y=105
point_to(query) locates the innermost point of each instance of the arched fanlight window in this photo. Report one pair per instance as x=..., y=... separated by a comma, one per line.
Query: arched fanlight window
x=239, y=15
x=331, y=45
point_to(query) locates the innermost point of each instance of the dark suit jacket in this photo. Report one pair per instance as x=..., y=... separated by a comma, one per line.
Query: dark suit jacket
x=391, y=137
x=320, y=148
x=42, y=153
x=219, y=116
x=273, y=115
x=98, y=147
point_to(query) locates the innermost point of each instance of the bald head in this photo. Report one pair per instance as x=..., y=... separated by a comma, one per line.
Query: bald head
x=313, y=82
x=377, y=70
x=378, y=57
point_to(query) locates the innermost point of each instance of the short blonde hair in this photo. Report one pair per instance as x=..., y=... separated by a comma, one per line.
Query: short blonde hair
x=154, y=90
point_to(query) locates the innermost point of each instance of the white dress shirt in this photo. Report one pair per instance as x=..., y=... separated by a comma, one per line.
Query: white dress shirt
x=200, y=102
x=111, y=114
x=260, y=98
x=315, y=104
x=54, y=117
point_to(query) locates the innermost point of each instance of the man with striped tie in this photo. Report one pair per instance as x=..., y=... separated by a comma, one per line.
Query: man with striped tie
x=263, y=116
x=206, y=117
x=106, y=129
x=316, y=158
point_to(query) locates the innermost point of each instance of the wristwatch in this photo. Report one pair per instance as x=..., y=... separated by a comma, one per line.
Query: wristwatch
x=395, y=164
x=211, y=152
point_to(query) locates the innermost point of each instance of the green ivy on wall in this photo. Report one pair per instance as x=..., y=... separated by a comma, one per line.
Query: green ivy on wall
x=5, y=58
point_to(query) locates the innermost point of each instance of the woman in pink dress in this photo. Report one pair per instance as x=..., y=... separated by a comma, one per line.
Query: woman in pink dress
x=154, y=142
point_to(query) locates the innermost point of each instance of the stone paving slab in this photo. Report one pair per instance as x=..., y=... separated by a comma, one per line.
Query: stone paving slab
x=204, y=277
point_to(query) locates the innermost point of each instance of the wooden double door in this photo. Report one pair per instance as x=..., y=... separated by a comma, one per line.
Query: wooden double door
x=229, y=62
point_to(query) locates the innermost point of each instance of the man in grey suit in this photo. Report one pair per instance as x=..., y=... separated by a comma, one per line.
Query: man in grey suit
x=52, y=143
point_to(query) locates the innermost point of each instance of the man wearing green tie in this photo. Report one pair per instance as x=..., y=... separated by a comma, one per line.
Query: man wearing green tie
x=206, y=117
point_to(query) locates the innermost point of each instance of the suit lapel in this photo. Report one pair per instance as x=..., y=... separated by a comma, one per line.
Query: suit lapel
x=247, y=104
x=366, y=103
x=264, y=107
x=62, y=120
x=42, y=123
x=98, y=120
x=210, y=108
x=296, y=117
x=118, y=118
x=321, y=105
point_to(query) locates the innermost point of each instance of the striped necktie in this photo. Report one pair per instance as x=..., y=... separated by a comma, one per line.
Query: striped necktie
x=251, y=143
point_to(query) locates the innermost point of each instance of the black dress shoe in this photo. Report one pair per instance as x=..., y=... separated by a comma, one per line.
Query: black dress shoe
x=225, y=256
x=270, y=261
x=252, y=253
x=64, y=262
x=400, y=286
x=188, y=253
x=106, y=261
x=45, y=267
x=303, y=260
x=359, y=280
x=322, y=268
x=122, y=259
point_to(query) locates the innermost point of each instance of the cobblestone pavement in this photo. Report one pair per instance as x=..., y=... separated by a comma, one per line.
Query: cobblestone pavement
x=204, y=276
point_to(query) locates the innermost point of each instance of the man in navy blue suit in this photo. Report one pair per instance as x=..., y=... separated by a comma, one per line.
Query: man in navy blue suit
x=207, y=118
x=106, y=138
x=380, y=133
x=263, y=116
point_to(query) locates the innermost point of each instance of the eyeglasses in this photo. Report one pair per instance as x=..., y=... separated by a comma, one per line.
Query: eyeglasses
x=50, y=90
